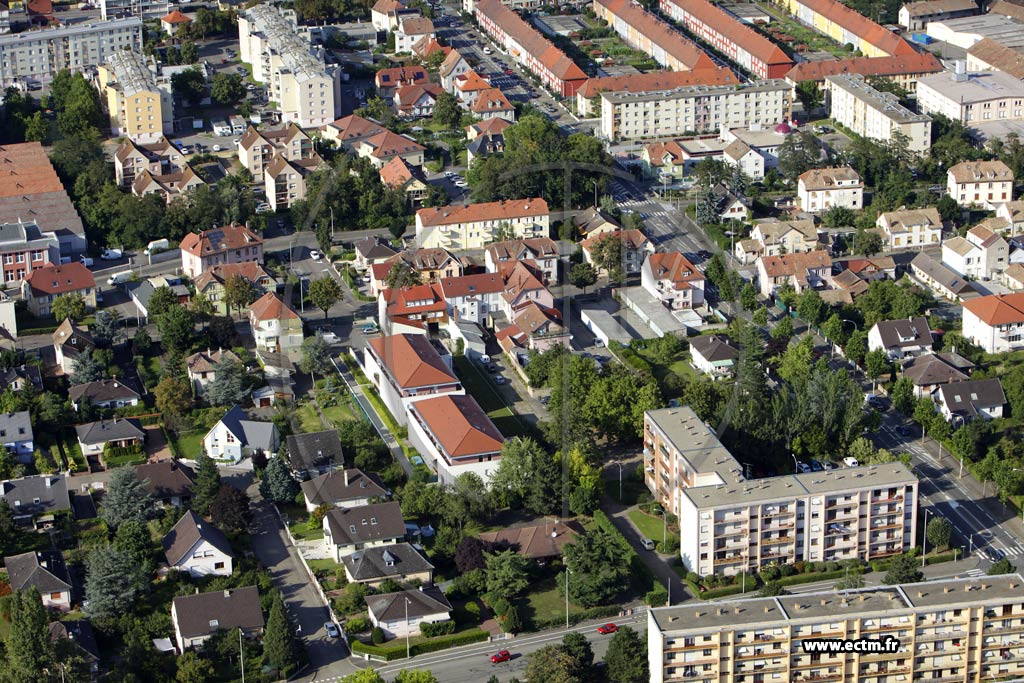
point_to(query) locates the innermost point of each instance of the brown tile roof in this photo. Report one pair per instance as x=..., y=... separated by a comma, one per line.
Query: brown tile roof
x=387, y=6
x=824, y=178
x=421, y=259
x=521, y=278
x=175, y=17
x=226, y=609
x=468, y=285
x=428, y=45
x=459, y=425
x=660, y=33
x=999, y=56
x=342, y=485
x=535, y=247
x=923, y=9
x=631, y=239
x=366, y=523
x=676, y=268
x=998, y=309
x=658, y=80
x=979, y=171
x=55, y=280
x=218, y=240
x=406, y=96
x=189, y=530
x=533, y=318
x=417, y=26
x=491, y=126
x=386, y=78
x=250, y=270
x=911, y=63
x=450, y=62
x=396, y=173
x=531, y=40
x=856, y=23
x=412, y=361
x=352, y=127
x=152, y=151
x=206, y=361
x=739, y=33
x=270, y=307
x=388, y=144
x=167, y=478
x=101, y=390
x=849, y=281
x=491, y=99
x=656, y=152
x=281, y=164
x=26, y=170
x=1007, y=9
x=487, y=211
x=539, y=540
x=795, y=264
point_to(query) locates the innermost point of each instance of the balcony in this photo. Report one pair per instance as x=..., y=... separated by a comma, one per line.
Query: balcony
x=814, y=677
x=760, y=653
x=946, y=635
x=781, y=540
x=731, y=559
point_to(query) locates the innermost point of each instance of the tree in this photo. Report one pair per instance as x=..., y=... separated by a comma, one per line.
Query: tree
x=924, y=413
x=939, y=532
x=160, y=301
x=446, y=110
x=68, y=306
x=228, y=384
x=809, y=95
x=948, y=209
x=415, y=676
x=324, y=292
x=902, y=396
x=227, y=88
x=207, y=484
x=528, y=474
x=902, y=569
x=316, y=355
x=867, y=242
x=707, y=208
x=838, y=216
x=87, y=368
x=177, y=328
x=401, y=275
x=508, y=574
x=189, y=53
x=876, y=363
x=748, y=297
x=133, y=538
x=583, y=275
x=114, y=582
x=627, y=657
x=576, y=645
x=107, y=330
x=856, y=346
x=798, y=153
x=811, y=307
x=36, y=128
x=194, y=669
x=278, y=485
x=606, y=254
x=469, y=554
x=783, y=330
x=364, y=676
x=126, y=499
x=279, y=647
x=189, y=85
x=173, y=398
x=230, y=509
x=598, y=566
x=551, y=664
x=772, y=589
x=1002, y=566
x=28, y=646
x=238, y=293
x=141, y=342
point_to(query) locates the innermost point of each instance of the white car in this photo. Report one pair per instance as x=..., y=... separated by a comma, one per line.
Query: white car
x=263, y=208
x=487, y=50
x=111, y=254
x=332, y=630
x=216, y=148
x=850, y=462
x=461, y=183
x=328, y=334
x=314, y=254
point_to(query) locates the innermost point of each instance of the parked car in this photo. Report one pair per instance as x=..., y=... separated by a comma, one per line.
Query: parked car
x=501, y=656
x=851, y=461
x=500, y=380
x=332, y=630
x=817, y=466
x=647, y=543
x=315, y=254
x=263, y=207
x=85, y=261
x=216, y=148
x=605, y=629
x=485, y=359
x=803, y=468
x=111, y=254
x=370, y=329
x=491, y=367
x=328, y=334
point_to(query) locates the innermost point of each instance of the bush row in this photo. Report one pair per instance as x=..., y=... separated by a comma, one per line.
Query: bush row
x=642, y=576
x=441, y=628
x=397, y=651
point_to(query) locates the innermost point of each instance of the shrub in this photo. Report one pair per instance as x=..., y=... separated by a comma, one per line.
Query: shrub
x=500, y=606
x=473, y=610
x=771, y=573
x=787, y=570
x=656, y=597
x=441, y=628
x=357, y=625
x=693, y=577
x=377, y=635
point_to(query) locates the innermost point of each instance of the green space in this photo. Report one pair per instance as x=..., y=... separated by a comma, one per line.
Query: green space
x=545, y=602
x=650, y=526
x=187, y=444
x=309, y=420
x=338, y=413
x=486, y=394
x=301, y=531
x=802, y=35
x=323, y=566
x=633, y=490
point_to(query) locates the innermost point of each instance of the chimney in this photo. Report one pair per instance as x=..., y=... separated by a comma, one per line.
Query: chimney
x=947, y=589
x=49, y=481
x=984, y=586
x=699, y=614
x=824, y=602
x=920, y=594
x=346, y=478
x=768, y=609
x=227, y=592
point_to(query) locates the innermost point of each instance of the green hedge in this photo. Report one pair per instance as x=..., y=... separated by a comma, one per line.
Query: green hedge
x=941, y=557
x=643, y=579
x=441, y=628
x=720, y=592
x=397, y=651
x=810, y=577
x=630, y=357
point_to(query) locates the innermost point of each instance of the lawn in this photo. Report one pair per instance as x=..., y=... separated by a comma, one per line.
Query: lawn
x=680, y=365
x=187, y=444
x=650, y=526
x=308, y=419
x=340, y=412
x=301, y=531
x=544, y=602
x=323, y=567
x=485, y=393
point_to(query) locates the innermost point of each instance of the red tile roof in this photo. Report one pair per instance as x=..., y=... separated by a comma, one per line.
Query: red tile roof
x=175, y=17
x=460, y=425
x=396, y=173
x=658, y=80
x=219, y=240
x=488, y=211
x=676, y=268
x=659, y=33
x=535, y=44
x=734, y=30
x=471, y=81
x=998, y=309
x=413, y=300
x=412, y=361
x=26, y=170
x=795, y=264
x=905, y=64
x=356, y=127
x=405, y=75
x=55, y=280
x=491, y=99
x=270, y=307
x=250, y=270
x=387, y=144
x=468, y=285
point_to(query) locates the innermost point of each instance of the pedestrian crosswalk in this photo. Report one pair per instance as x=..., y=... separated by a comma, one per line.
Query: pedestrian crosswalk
x=975, y=573
x=998, y=552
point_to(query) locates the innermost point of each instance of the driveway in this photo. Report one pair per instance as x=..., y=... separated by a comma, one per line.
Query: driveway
x=156, y=444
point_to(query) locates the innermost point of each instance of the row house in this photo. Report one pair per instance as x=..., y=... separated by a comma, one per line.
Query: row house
x=845, y=25
x=942, y=279
x=643, y=31
x=652, y=81
x=905, y=69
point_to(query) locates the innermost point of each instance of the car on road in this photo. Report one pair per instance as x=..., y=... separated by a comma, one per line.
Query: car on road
x=111, y=254
x=647, y=544
x=803, y=468
x=605, y=629
x=328, y=334
x=332, y=630
x=501, y=656
x=500, y=380
x=216, y=148
x=851, y=461
x=315, y=254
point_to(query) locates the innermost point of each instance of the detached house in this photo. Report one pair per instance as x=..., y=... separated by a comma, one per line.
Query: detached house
x=397, y=174
x=454, y=435
x=963, y=401
x=901, y=338
x=383, y=147
x=980, y=183
x=197, y=617
x=195, y=546
x=673, y=280
x=410, y=31
x=314, y=453
x=350, y=131
x=201, y=367
x=911, y=228
x=389, y=80
x=541, y=253
x=453, y=66
x=35, y=499
x=636, y=248
x=982, y=254
x=1013, y=214
x=492, y=104
x=168, y=481
x=534, y=326
x=229, y=244
x=819, y=189
x=401, y=614
x=812, y=269
x=485, y=139
x=469, y=86
x=93, y=437
x=523, y=286
x=473, y=298
x=779, y=237
x=399, y=562
x=343, y=489
x=16, y=435
x=995, y=322
x=42, y=286
x=211, y=282
x=713, y=355
x=347, y=530
x=235, y=436
x=371, y=250
x=107, y=394
x=930, y=371
x=69, y=342
x=275, y=327
x=405, y=368
x=416, y=101
x=45, y=571
x=594, y=222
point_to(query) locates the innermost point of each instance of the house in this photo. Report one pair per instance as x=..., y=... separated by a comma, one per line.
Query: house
x=981, y=254
x=381, y=148
x=104, y=393
x=454, y=435
x=473, y=226
x=941, y=279
x=453, y=66
x=45, y=571
x=930, y=371
x=21, y=378
x=868, y=269
x=416, y=101
x=350, y=131
x=811, y=269
x=410, y=31
x=469, y=86
x=915, y=16
x=41, y=286
x=168, y=481
x=285, y=179
x=636, y=248
x=314, y=453
x=963, y=401
x=673, y=280
x=201, y=367
x=910, y=228
x=995, y=322
x=235, y=436
x=277, y=388
x=713, y=355
x=980, y=183
x=523, y=286
x=35, y=499
x=901, y=338
x=24, y=247
x=1013, y=276
x=343, y=488
x=16, y=435
x=384, y=14
x=257, y=148
x=594, y=222
x=405, y=368
x=371, y=250
x=69, y=342
x=173, y=21
x=197, y=617
x=347, y=530
x=493, y=127
x=399, y=562
x=79, y=632
x=418, y=309
x=93, y=437
x=397, y=174
x=275, y=326
x=196, y=546
x=746, y=158
x=534, y=326
x=141, y=292
x=474, y=298
x=1013, y=214
x=819, y=189
x=211, y=282
x=159, y=158
x=492, y=104
x=485, y=144
x=169, y=186
x=785, y=237
x=389, y=80
x=400, y=614
x=539, y=252
x=539, y=541
x=850, y=284
x=429, y=264
x=228, y=244
x=728, y=205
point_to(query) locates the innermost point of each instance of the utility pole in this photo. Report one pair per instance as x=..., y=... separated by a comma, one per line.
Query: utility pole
x=924, y=540
x=567, y=598
x=408, y=650
x=241, y=654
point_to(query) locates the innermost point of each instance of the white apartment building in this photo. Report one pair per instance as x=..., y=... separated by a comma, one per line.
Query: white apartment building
x=143, y=9
x=965, y=630
x=995, y=322
x=972, y=98
x=474, y=226
x=140, y=106
x=907, y=228
x=36, y=56
x=980, y=183
x=406, y=368
x=730, y=524
x=298, y=78
x=454, y=435
x=980, y=255
x=694, y=109
x=876, y=115
x=822, y=188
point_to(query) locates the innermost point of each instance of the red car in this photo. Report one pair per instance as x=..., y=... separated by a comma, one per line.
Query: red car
x=607, y=628
x=501, y=656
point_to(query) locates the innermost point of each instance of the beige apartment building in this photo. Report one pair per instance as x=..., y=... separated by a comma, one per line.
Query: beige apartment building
x=876, y=115
x=140, y=107
x=980, y=183
x=947, y=631
x=694, y=109
x=730, y=523
x=474, y=226
x=819, y=189
x=298, y=78
x=972, y=98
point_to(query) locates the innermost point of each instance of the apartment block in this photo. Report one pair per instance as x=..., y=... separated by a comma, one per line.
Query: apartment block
x=972, y=98
x=846, y=25
x=694, y=109
x=654, y=81
x=158, y=158
x=730, y=523
x=876, y=115
x=306, y=88
x=643, y=31
x=36, y=56
x=980, y=183
x=904, y=69
x=140, y=107
x=143, y=9
x=965, y=630
x=475, y=226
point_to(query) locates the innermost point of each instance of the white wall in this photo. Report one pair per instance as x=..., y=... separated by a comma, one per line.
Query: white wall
x=202, y=560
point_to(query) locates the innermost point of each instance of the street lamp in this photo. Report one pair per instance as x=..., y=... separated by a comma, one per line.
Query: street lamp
x=241, y=655
x=619, y=464
x=408, y=651
x=796, y=463
x=567, y=598
x=924, y=539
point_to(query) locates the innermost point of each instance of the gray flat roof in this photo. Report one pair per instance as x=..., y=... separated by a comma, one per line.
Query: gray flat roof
x=884, y=102
x=697, y=90
x=698, y=444
x=977, y=87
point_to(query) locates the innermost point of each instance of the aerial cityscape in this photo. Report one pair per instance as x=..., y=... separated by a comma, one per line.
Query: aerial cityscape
x=502, y=341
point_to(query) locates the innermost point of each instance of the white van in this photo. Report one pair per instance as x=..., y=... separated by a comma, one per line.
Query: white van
x=157, y=245
x=119, y=278
x=85, y=261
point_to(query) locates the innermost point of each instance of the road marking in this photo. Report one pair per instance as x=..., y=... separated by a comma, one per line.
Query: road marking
x=975, y=573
